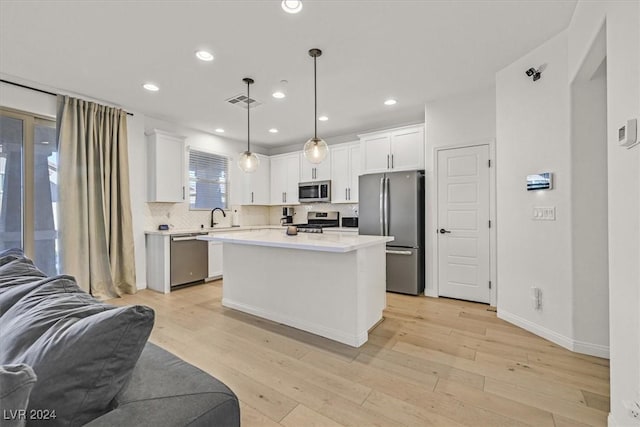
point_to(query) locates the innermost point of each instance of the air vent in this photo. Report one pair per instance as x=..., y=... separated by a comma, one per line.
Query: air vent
x=242, y=101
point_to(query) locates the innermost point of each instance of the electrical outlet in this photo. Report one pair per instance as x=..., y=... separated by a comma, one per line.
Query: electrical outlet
x=536, y=298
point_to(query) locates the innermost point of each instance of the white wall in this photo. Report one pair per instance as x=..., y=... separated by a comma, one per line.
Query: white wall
x=541, y=119
x=590, y=262
x=623, y=86
x=533, y=136
x=464, y=119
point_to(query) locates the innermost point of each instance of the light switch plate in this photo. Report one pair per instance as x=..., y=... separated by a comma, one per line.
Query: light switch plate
x=544, y=213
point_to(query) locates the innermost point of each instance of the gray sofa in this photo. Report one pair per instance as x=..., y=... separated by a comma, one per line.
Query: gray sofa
x=78, y=361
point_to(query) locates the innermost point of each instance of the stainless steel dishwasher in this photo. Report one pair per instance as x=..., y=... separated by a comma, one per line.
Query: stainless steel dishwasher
x=189, y=259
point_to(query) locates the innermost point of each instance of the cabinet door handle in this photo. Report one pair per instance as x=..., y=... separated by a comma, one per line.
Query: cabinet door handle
x=346, y=194
x=183, y=192
x=392, y=161
x=349, y=193
x=387, y=161
x=252, y=197
x=285, y=196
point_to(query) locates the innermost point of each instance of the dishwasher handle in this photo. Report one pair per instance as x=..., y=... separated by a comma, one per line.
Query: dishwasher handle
x=183, y=238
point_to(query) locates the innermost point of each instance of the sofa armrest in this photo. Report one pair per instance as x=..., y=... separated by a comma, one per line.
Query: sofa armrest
x=165, y=390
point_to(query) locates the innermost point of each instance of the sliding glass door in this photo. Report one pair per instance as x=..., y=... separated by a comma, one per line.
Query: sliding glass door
x=28, y=187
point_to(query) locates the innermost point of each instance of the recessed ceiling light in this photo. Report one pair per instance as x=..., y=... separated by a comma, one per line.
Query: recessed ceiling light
x=291, y=6
x=273, y=130
x=278, y=95
x=151, y=87
x=203, y=55
x=323, y=118
x=220, y=130
x=390, y=102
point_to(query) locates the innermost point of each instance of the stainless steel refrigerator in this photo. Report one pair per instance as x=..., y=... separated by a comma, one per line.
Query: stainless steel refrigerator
x=392, y=204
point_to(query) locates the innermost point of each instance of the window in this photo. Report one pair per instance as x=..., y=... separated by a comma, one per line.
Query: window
x=208, y=180
x=28, y=187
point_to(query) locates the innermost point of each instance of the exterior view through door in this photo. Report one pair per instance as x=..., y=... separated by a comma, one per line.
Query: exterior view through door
x=463, y=223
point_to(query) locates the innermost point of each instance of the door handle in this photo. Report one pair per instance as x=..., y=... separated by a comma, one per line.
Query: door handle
x=392, y=161
x=183, y=192
x=387, y=161
x=349, y=194
x=252, y=197
x=346, y=194
x=398, y=252
x=443, y=231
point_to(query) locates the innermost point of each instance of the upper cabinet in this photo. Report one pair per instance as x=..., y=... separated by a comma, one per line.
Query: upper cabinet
x=285, y=174
x=165, y=167
x=393, y=150
x=256, y=184
x=315, y=172
x=345, y=169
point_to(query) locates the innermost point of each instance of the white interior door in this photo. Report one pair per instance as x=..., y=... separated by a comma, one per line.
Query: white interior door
x=463, y=223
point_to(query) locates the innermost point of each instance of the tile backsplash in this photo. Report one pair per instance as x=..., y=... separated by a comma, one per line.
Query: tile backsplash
x=300, y=211
x=178, y=216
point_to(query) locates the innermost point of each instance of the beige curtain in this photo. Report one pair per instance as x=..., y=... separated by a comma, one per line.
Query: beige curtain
x=96, y=233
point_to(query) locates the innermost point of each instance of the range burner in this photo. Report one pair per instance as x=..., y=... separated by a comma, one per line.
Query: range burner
x=319, y=220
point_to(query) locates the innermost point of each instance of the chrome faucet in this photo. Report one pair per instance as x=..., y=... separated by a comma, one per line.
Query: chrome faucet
x=212, y=211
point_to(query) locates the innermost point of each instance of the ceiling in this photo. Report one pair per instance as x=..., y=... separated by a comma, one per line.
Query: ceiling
x=413, y=51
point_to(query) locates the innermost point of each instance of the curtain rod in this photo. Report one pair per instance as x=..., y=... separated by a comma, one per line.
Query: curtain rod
x=40, y=90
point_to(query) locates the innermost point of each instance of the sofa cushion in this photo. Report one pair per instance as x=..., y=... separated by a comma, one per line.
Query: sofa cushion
x=16, y=382
x=82, y=350
x=182, y=395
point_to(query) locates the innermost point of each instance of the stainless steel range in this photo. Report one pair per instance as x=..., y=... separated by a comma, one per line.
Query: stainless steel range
x=316, y=221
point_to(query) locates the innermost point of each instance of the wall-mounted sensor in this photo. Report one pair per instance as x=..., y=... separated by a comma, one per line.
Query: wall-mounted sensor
x=535, y=74
x=628, y=134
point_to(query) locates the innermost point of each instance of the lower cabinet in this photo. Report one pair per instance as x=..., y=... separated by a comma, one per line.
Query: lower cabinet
x=215, y=260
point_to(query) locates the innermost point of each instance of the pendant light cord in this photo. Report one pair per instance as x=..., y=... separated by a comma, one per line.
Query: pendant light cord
x=248, y=118
x=315, y=100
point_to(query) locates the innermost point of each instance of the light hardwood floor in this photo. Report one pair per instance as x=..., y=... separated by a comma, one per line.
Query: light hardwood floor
x=430, y=362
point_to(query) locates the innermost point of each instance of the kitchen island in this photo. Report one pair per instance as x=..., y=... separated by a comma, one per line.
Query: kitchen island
x=332, y=285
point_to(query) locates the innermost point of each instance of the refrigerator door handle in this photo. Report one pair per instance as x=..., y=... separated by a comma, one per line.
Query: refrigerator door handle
x=398, y=252
x=382, y=219
x=386, y=206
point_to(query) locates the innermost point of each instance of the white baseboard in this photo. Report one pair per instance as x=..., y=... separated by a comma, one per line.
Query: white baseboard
x=591, y=349
x=323, y=331
x=564, y=341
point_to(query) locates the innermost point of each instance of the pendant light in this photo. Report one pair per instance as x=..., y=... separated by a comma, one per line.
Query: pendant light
x=248, y=161
x=315, y=149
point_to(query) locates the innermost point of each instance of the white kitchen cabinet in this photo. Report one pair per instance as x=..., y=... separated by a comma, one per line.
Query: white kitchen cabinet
x=165, y=167
x=285, y=175
x=256, y=186
x=215, y=260
x=345, y=169
x=315, y=172
x=393, y=150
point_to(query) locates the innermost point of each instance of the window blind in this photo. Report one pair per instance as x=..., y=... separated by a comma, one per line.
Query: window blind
x=208, y=180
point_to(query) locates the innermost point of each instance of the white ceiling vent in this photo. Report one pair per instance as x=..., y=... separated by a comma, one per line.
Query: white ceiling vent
x=242, y=101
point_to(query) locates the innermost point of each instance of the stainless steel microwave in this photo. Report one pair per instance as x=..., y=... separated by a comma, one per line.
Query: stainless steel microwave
x=317, y=191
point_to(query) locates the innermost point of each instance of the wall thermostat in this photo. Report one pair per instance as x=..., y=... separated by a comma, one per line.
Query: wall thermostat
x=628, y=134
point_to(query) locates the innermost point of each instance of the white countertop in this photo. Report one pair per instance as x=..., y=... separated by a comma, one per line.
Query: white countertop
x=325, y=242
x=235, y=229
